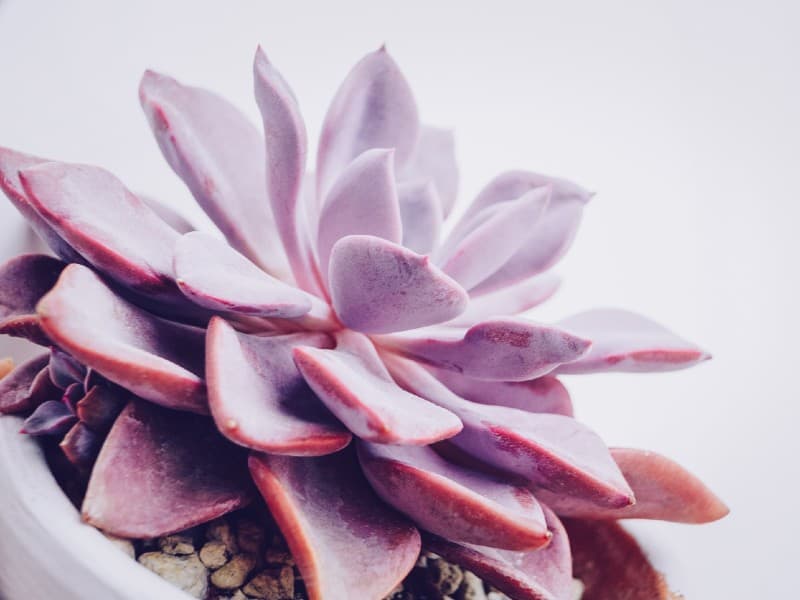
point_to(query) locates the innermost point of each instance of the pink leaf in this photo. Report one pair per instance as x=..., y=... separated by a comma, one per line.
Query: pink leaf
x=168, y=214
x=260, y=400
x=363, y=201
x=500, y=349
x=156, y=359
x=380, y=287
x=81, y=446
x=373, y=108
x=421, y=214
x=353, y=383
x=626, y=341
x=511, y=300
x=161, y=471
x=101, y=405
x=346, y=542
x=452, y=501
x=27, y=386
x=434, y=158
x=219, y=154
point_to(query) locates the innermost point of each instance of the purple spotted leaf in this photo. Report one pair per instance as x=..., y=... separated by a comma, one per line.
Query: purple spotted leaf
x=260, y=400
x=542, y=395
x=499, y=349
x=491, y=243
x=23, y=281
x=100, y=406
x=550, y=451
x=363, y=201
x=161, y=471
x=452, y=501
x=81, y=446
x=511, y=300
x=64, y=369
x=215, y=276
x=626, y=341
x=156, y=359
x=380, y=287
x=49, y=418
x=434, y=159
x=353, y=383
x=345, y=541
x=664, y=490
x=421, y=214
x=219, y=154
x=539, y=575
x=373, y=108
x=27, y=386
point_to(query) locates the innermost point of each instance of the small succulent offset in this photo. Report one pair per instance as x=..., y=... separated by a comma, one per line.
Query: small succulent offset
x=371, y=377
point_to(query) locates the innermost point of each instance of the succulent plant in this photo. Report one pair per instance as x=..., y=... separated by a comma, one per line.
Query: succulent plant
x=333, y=350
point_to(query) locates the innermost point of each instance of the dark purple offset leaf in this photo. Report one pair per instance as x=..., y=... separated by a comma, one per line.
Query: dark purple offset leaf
x=23, y=281
x=434, y=159
x=354, y=384
x=626, y=341
x=50, y=418
x=161, y=471
x=64, y=369
x=219, y=154
x=25, y=387
x=260, y=400
x=664, y=491
x=215, y=276
x=542, y=395
x=544, y=574
x=153, y=358
x=72, y=395
x=101, y=405
x=11, y=163
x=373, y=108
x=81, y=446
x=380, y=287
x=346, y=541
x=550, y=451
x=498, y=349
x=421, y=214
x=452, y=501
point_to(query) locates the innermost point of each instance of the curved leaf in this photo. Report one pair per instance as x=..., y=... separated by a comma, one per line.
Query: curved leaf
x=27, y=386
x=512, y=300
x=421, y=214
x=434, y=159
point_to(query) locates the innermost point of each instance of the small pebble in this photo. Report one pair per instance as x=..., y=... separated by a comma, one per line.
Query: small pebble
x=250, y=536
x=445, y=577
x=184, y=572
x=272, y=584
x=214, y=554
x=234, y=573
x=577, y=589
x=178, y=544
x=237, y=595
x=125, y=545
x=220, y=530
x=471, y=588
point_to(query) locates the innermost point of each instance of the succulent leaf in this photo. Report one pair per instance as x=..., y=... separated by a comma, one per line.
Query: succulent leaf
x=27, y=386
x=421, y=214
x=434, y=159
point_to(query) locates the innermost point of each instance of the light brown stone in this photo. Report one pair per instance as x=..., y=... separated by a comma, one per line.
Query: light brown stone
x=214, y=554
x=234, y=573
x=444, y=576
x=272, y=584
x=471, y=588
x=184, y=572
x=221, y=530
x=177, y=544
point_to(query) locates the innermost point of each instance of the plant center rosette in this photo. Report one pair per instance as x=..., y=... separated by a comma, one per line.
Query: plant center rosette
x=333, y=352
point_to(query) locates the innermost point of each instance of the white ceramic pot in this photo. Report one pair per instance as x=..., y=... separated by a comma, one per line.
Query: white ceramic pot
x=46, y=552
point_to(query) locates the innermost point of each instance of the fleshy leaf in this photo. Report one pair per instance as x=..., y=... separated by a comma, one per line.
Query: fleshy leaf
x=217, y=277
x=64, y=369
x=27, y=386
x=610, y=563
x=50, y=418
x=219, y=154
x=550, y=451
x=23, y=281
x=353, y=383
x=489, y=245
x=626, y=341
x=421, y=214
x=153, y=358
x=72, y=394
x=451, y=501
x=539, y=575
x=347, y=543
x=81, y=445
x=511, y=300
x=380, y=287
x=285, y=136
x=362, y=201
x=11, y=163
x=373, y=108
x=101, y=405
x=161, y=471
x=168, y=214
x=260, y=400
x=542, y=395
x=664, y=490
x=434, y=158
x=498, y=349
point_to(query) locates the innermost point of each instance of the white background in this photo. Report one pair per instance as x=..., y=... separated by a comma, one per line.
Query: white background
x=683, y=116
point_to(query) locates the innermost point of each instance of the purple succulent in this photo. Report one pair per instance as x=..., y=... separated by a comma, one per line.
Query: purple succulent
x=372, y=376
